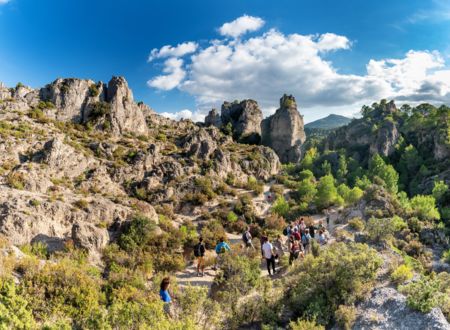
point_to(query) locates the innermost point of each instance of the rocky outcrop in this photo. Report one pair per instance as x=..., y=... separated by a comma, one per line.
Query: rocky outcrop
x=284, y=131
x=387, y=309
x=125, y=115
x=73, y=98
x=379, y=135
x=79, y=100
x=213, y=119
x=245, y=118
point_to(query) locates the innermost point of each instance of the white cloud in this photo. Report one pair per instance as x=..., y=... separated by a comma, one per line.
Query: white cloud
x=268, y=65
x=173, y=67
x=185, y=114
x=241, y=26
x=2, y=2
x=169, y=51
x=331, y=41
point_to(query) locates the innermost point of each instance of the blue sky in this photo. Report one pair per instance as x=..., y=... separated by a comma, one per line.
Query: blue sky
x=332, y=55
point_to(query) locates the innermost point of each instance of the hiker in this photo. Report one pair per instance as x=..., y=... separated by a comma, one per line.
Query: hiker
x=199, y=253
x=302, y=226
x=221, y=248
x=278, y=246
x=269, y=255
x=247, y=238
x=306, y=239
x=165, y=296
x=321, y=226
x=294, y=251
x=296, y=235
x=288, y=231
x=327, y=214
x=322, y=238
x=312, y=230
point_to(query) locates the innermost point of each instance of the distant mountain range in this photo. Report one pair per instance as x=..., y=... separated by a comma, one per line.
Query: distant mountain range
x=330, y=122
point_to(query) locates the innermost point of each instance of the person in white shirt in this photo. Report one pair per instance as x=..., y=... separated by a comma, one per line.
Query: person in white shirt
x=269, y=255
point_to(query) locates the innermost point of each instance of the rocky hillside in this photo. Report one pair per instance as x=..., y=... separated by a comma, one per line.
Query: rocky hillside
x=78, y=158
x=283, y=131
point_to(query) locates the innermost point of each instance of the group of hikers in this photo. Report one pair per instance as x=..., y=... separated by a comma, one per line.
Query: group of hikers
x=299, y=236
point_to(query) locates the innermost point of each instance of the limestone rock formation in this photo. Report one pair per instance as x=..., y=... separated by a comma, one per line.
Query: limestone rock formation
x=126, y=115
x=284, y=131
x=245, y=119
x=78, y=100
x=378, y=136
x=213, y=119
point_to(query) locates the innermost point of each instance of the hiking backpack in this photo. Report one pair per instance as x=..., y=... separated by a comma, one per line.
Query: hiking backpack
x=198, y=250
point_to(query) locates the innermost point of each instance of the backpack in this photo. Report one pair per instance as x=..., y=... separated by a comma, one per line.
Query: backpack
x=305, y=239
x=198, y=250
x=285, y=231
x=244, y=237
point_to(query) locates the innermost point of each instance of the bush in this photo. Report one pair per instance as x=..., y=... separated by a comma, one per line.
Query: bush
x=253, y=184
x=280, y=206
x=98, y=110
x=345, y=316
x=351, y=268
x=424, y=207
x=401, y=274
x=93, y=90
x=16, y=180
x=446, y=256
x=424, y=294
x=14, y=309
x=212, y=232
x=380, y=229
x=232, y=217
x=305, y=325
x=274, y=222
x=356, y=224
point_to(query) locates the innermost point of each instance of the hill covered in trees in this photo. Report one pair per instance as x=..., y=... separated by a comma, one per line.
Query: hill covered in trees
x=100, y=198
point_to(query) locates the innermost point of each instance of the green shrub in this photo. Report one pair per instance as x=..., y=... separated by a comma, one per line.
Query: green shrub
x=350, y=268
x=280, y=206
x=98, y=110
x=356, y=224
x=136, y=233
x=93, y=90
x=232, y=217
x=253, y=184
x=424, y=207
x=401, y=274
x=212, y=232
x=424, y=294
x=305, y=325
x=16, y=180
x=446, y=256
x=15, y=311
x=345, y=316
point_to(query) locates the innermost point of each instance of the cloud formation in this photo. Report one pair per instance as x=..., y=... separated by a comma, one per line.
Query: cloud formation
x=266, y=66
x=167, y=51
x=241, y=26
x=174, y=74
x=184, y=114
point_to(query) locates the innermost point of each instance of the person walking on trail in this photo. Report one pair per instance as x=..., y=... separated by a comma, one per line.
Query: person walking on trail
x=294, y=251
x=247, y=238
x=322, y=237
x=165, y=296
x=278, y=247
x=296, y=235
x=327, y=214
x=312, y=230
x=220, y=249
x=306, y=240
x=269, y=255
x=199, y=253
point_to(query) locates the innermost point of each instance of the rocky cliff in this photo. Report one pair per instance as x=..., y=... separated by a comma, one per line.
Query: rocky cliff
x=284, y=131
x=79, y=158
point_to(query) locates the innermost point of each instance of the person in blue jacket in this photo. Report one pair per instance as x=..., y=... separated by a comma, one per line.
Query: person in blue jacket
x=163, y=292
x=221, y=248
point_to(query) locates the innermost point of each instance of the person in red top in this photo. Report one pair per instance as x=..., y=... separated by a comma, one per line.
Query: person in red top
x=296, y=234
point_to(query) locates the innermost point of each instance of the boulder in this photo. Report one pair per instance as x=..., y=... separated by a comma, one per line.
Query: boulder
x=387, y=309
x=284, y=131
